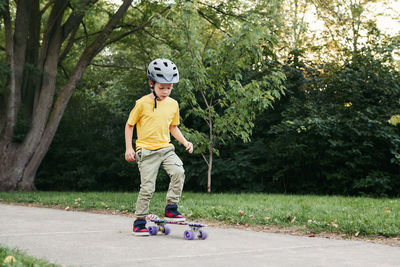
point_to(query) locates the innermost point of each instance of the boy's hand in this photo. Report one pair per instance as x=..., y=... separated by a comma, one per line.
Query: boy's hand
x=130, y=155
x=189, y=147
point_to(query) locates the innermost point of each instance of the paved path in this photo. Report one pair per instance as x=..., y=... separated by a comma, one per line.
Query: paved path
x=85, y=239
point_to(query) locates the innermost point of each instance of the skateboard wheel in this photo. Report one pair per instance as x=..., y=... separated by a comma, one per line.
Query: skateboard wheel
x=153, y=230
x=202, y=234
x=189, y=235
x=167, y=230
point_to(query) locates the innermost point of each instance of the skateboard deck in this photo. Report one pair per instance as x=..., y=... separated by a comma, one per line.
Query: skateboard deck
x=195, y=229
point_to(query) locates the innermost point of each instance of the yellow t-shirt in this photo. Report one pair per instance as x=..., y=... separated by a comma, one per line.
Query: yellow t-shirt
x=152, y=124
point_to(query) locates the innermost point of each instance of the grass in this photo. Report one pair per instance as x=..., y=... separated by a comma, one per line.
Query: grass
x=13, y=257
x=353, y=216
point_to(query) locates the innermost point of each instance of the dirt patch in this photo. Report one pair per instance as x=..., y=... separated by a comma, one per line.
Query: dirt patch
x=390, y=241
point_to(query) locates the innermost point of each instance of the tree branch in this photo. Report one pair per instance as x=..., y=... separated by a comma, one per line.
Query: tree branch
x=223, y=12
x=53, y=21
x=212, y=23
x=86, y=36
x=46, y=7
x=69, y=44
x=137, y=28
x=117, y=67
x=205, y=159
x=155, y=37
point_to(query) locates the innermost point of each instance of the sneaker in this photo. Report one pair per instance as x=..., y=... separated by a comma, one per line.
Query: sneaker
x=172, y=214
x=139, y=228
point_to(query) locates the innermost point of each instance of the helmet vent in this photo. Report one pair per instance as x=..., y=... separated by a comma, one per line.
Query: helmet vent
x=157, y=68
x=160, y=75
x=166, y=64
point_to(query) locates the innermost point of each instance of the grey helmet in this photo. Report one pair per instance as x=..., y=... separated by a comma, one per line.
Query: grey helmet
x=163, y=70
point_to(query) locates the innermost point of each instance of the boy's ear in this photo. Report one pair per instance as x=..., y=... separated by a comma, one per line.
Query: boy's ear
x=151, y=83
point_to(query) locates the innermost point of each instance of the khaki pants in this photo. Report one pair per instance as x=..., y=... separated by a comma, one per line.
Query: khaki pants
x=149, y=162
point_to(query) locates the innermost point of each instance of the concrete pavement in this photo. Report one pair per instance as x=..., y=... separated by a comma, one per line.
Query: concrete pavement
x=86, y=239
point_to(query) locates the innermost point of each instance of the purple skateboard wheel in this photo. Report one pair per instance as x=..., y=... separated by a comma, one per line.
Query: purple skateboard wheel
x=167, y=230
x=203, y=234
x=189, y=235
x=153, y=230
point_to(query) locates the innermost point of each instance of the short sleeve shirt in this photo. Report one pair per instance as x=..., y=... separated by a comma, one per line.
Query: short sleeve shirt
x=152, y=124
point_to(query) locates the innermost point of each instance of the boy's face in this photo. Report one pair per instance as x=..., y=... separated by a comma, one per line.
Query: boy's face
x=163, y=90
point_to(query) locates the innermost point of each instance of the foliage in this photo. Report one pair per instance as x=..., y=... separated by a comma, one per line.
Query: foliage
x=90, y=144
x=332, y=140
x=334, y=131
x=214, y=63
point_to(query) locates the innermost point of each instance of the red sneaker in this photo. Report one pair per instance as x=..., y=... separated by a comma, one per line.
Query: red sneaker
x=139, y=228
x=172, y=214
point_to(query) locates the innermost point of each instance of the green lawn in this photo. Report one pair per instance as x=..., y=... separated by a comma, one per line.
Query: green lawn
x=14, y=257
x=358, y=216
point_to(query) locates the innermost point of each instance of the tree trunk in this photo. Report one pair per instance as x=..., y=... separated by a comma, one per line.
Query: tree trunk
x=210, y=161
x=210, y=156
x=20, y=161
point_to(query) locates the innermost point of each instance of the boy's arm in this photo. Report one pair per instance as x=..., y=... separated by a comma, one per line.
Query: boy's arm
x=129, y=152
x=179, y=136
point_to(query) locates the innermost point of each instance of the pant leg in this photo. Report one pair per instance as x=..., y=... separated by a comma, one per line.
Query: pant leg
x=148, y=162
x=173, y=165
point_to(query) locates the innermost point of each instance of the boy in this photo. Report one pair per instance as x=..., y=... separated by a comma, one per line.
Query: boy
x=156, y=115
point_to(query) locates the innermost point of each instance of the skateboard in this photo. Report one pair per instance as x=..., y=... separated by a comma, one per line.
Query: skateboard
x=161, y=226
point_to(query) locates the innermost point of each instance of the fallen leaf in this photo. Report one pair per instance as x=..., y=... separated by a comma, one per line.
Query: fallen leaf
x=251, y=216
x=67, y=208
x=356, y=234
x=294, y=219
x=9, y=259
x=309, y=221
x=267, y=218
x=241, y=213
x=334, y=223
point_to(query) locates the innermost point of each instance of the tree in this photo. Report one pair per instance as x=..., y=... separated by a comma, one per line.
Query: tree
x=34, y=101
x=215, y=59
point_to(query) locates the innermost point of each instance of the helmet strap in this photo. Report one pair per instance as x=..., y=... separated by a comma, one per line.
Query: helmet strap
x=152, y=84
x=155, y=98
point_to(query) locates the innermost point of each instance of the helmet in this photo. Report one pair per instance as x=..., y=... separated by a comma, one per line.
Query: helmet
x=163, y=70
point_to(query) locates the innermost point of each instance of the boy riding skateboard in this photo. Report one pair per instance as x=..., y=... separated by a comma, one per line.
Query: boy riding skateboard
x=156, y=116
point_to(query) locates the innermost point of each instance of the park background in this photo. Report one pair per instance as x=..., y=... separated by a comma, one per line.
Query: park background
x=295, y=96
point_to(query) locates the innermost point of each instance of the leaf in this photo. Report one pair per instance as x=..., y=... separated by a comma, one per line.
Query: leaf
x=9, y=259
x=334, y=223
x=387, y=210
